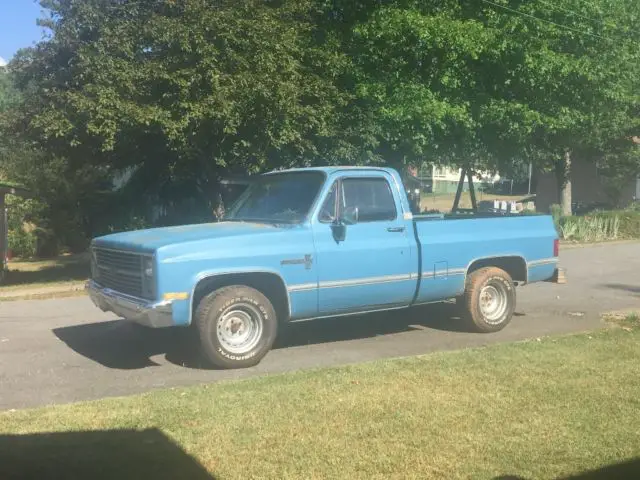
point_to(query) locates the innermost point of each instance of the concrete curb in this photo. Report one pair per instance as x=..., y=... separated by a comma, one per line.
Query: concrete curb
x=571, y=245
x=48, y=292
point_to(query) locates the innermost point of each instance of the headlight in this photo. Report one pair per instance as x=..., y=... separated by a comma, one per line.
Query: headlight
x=147, y=267
x=148, y=277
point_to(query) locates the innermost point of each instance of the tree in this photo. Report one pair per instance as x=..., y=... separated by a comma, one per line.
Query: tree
x=65, y=195
x=8, y=93
x=495, y=83
x=412, y=74
x=183, y=92
x=569, y=77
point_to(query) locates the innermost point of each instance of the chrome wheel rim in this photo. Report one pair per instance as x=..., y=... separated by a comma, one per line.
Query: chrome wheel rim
x=239, y=328
x=493, y=303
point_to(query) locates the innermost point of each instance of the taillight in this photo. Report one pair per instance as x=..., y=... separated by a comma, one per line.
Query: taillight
x=556, y=247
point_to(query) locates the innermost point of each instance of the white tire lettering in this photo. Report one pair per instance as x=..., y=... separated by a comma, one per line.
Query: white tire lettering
x=236, y=357
x=224, y=307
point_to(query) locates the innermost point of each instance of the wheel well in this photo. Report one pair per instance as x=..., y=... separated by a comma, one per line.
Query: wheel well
x=514, y=266
x=269, y=284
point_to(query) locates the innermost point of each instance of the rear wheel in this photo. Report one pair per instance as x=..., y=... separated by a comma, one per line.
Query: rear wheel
x=237, y=326
x=489, y=299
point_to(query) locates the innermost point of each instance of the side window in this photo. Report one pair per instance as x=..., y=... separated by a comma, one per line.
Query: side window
x=328, y=210
x=372, y=197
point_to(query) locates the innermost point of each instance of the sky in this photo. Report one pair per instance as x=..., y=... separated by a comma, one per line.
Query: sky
x=18, y=27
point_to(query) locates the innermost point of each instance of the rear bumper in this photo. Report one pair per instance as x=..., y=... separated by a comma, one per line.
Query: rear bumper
x=559, y=276
x=154, y=315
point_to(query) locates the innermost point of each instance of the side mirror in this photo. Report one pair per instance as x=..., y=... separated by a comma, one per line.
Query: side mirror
x=339, y=231
x=350, y=216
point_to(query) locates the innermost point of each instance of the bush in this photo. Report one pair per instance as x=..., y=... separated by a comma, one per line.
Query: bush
x=601, y=226
x=591, y=228
x=556, y=213
x=21, y=243
x=629, y=222
x=635, y=206
x=22, y=238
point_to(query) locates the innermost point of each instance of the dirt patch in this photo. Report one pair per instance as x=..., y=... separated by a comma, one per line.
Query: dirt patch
x=626, y=319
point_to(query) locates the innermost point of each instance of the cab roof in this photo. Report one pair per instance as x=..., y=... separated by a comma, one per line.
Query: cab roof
x=334, y=169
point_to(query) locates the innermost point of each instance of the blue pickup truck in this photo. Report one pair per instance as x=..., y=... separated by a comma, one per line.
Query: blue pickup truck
x=312, y=243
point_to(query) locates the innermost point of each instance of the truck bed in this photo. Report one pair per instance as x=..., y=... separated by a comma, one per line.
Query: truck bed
x=449, y=245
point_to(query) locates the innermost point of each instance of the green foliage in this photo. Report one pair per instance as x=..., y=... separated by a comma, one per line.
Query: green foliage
x=9, y=96
x=556, y=213
x=635, y=206
x=68, y=205
x=251, y=85
x=22, y=235
x=615, y=169
x=183, y=93
x=590, y=229
x=22, y=244
x=495, y=87
x=125, y=223
x=601, y=226
x=629, y=221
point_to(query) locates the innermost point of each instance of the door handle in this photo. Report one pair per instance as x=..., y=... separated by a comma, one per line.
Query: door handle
x=395, y=229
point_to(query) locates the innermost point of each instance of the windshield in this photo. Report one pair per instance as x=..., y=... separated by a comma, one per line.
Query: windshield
x=278, y=198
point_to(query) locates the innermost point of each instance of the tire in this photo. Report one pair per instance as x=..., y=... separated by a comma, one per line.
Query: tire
x=237, y=326
x=489, y=300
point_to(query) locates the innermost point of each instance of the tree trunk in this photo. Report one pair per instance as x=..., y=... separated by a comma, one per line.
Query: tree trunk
x=563, y=178
x=565, y=199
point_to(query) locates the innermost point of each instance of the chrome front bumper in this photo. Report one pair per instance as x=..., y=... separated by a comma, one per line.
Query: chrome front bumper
x=155, y=315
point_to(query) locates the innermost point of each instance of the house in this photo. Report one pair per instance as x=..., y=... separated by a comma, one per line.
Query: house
x=442, y=179
x=588, y=189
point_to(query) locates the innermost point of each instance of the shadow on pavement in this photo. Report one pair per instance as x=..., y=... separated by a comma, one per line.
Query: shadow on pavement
x=339, y=329
x=623, y=287
x=121, y=454
x=124, y=345
x=620, y=471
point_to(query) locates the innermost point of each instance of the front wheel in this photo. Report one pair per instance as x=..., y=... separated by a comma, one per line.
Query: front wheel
x=237, y=326
x=489, y=299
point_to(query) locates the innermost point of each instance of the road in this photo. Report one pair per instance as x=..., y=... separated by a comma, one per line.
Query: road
x=59, y=351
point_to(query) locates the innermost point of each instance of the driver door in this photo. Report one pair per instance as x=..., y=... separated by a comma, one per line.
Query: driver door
x=367, y=265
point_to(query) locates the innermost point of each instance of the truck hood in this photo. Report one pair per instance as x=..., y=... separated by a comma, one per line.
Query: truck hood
x=154, y=238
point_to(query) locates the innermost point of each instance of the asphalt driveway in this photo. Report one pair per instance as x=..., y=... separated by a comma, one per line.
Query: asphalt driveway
x=58, y=351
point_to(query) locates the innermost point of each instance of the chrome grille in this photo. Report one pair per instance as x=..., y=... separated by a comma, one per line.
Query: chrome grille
x=119, y=271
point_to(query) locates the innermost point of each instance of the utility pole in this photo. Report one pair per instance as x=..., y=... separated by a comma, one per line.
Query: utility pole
x=530, y=171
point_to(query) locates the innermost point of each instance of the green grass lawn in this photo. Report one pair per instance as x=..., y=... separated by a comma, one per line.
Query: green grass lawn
x=62, y=273
x=538, y=409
